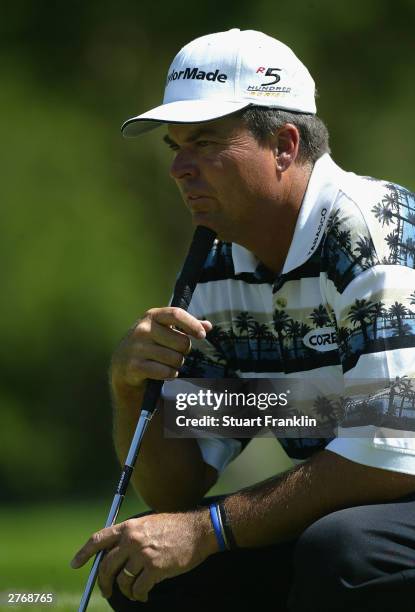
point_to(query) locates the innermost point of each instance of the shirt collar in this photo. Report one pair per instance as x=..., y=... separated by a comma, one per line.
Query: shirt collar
x=319, y=198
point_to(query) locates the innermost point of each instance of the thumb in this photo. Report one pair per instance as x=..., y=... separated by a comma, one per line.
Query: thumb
x=207, y=325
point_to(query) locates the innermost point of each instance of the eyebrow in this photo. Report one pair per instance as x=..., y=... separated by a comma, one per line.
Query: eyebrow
x=196, y=134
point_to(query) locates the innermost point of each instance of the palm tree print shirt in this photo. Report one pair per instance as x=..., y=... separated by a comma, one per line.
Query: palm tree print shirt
x=340, y=315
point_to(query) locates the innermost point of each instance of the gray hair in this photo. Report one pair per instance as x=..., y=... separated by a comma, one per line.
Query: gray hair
x=314, y=136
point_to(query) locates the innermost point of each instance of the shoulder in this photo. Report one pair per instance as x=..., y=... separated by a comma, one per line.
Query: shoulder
x=386, y=209
x=372, y=222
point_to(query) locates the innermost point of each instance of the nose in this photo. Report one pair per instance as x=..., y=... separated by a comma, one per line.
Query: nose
x=183, y=166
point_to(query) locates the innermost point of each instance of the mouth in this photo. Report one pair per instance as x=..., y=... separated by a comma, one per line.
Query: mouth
x=195, y=196
x=197, y=202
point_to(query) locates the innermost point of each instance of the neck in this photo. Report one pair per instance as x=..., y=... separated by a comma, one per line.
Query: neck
x=270, y=236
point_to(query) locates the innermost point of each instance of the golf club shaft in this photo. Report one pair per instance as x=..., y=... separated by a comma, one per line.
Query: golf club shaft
x=143, y=421
x=201, y=244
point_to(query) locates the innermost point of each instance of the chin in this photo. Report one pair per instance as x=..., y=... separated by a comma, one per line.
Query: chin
x=208, y=221
x=205, y=220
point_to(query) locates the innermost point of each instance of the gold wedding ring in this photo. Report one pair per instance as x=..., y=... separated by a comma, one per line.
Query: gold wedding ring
x=127, y=573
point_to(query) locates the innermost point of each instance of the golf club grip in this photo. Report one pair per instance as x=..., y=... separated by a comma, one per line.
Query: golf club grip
x=183, y=290
x=192, y=268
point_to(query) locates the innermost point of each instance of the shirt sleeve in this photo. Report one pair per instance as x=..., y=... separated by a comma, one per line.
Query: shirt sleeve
x=372, y=301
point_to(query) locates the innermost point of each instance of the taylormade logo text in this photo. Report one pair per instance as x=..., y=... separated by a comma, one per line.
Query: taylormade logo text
x=195, y=73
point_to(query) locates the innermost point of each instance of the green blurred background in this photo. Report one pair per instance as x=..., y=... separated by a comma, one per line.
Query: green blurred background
x=93, y=231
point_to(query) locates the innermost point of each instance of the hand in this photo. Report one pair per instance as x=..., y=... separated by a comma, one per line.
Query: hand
x=154, y=347
x=152, y=547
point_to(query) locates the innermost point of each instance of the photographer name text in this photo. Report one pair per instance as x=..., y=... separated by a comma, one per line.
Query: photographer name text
x=263, y=420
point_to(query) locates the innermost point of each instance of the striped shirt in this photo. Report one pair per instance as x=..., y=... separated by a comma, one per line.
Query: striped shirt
x=341, y=314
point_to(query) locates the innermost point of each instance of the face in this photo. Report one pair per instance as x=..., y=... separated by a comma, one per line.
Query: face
x=226, y=178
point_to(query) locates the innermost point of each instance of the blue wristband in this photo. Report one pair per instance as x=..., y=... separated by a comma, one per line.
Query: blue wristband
x=214, y=517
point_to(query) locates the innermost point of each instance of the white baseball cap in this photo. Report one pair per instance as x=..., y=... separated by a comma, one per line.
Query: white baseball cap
x=219, y=74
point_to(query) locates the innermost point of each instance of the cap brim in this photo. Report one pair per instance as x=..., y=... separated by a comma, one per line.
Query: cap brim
x=181, y=111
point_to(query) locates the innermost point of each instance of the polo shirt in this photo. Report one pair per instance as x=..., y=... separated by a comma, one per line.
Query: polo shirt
x=340, y=314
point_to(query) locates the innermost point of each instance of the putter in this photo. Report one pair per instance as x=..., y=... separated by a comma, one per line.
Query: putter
x=183, y=290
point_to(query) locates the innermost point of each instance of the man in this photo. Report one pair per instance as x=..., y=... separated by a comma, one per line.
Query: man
x=324, y=261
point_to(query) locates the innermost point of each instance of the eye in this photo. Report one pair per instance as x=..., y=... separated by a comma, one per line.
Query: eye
x=204, y=143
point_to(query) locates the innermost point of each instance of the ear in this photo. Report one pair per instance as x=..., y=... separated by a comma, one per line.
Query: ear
x=286, y=146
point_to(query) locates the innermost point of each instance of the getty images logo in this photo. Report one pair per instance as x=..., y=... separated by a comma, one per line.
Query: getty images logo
x=195, y=73
x=322, y=339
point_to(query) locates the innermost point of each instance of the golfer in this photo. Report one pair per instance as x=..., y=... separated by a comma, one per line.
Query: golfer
x=312, y=276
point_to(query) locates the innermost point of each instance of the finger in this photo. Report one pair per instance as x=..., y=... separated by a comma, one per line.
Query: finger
x=165, y=356
x=150, y=369
x=110, y=566
x=143, y=585
x=170, y=338
x=104, y=539
x=125, y=583
x=179, y=318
